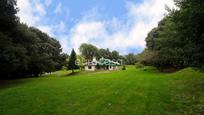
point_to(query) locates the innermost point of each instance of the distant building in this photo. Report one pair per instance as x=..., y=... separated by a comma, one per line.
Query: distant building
x=102, y=64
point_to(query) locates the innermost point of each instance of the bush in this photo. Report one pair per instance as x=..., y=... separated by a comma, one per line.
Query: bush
x=139, y=65
x=123, y=68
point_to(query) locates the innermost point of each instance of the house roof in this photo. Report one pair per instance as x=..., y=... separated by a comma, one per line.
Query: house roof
x=103, y=62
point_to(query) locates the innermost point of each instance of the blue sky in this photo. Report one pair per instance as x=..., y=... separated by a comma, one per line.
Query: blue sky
x=120, y=25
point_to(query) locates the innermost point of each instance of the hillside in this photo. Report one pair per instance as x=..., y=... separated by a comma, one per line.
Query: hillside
x=132, y=91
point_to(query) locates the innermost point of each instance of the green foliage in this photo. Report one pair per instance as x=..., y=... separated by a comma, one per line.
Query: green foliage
x=115, y=55
x=130, y=59
x=72, y=61
x=8, y=18
x=25, y=51
x=80, y=61
x=178, y=40
x=105, y=53
x=88, y=51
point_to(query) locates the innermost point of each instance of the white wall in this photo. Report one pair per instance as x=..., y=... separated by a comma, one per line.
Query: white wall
x=93, y=68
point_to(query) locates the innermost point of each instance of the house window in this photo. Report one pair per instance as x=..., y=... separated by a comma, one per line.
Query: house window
x=89, y=67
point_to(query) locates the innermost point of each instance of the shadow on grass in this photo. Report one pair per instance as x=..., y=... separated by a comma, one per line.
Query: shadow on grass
x=8, y=83
x=72, y=74
x=84, y=73
x=11, y=81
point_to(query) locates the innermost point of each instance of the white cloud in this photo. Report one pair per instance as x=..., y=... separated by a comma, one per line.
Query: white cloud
x=40, y=9
x=114, y=33
x=31, y=11
x=58, y=8
x=141, y=18
x=48, y=2
x=47, y=29
x=62, y=27
x=26, y=12
x=64, y=43
x=87, y=32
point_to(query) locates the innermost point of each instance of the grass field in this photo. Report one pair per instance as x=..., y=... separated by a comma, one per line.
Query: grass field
x=130, y=92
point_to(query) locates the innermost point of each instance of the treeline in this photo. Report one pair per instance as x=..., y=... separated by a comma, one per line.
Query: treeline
x=178, y=41
x=88, y=51
x=25, y=51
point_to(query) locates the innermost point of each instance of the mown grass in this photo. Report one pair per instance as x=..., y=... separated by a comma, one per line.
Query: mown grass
x=130, y=92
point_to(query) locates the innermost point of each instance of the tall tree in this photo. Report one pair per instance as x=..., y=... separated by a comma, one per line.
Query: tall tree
x=88, y=51
x=72, y=61
x=178, y=40
x=8, y=18
x=115, y=55
x=25, y=50
x=104, y=53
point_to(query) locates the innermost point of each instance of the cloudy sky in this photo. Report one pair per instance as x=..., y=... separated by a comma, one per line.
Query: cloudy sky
x=120, y=25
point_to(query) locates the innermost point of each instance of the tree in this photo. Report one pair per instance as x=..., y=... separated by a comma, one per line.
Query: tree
x=80, y=61
x=104, y=53
x=130, y=59
x=178, y=40
x=115, y=55
x=8, y=18
x=88, y=51
x=148, y=57
x=25, y=51
x=150, y=40
x=72, y=61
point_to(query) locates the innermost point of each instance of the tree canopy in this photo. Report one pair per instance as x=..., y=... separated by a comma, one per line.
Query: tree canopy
x=88, y=51
x=25, y=51
x=178, y=40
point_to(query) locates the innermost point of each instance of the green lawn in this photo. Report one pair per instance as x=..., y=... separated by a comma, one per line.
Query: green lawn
x=130, y=92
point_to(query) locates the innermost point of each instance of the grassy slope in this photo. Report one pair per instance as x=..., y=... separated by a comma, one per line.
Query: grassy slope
x=121, y=92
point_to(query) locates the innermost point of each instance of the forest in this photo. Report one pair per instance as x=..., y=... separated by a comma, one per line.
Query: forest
x=25, y=51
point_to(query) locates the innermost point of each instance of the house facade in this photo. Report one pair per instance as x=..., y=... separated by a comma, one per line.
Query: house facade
x=101, y=64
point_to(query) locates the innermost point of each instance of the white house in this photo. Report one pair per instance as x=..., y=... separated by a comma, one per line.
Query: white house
x=102, y=64
x=91, y=66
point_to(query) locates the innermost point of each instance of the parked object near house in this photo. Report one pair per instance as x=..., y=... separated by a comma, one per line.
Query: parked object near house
x=101, y=64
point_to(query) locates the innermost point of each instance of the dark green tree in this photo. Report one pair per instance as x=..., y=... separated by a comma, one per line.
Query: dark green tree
x=8, y=18
x=115, y=55
x=72, y=61
x=178, y=40
x=25, y=50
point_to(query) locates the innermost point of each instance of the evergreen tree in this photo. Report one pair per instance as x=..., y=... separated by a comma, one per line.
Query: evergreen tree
x=72, y=61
